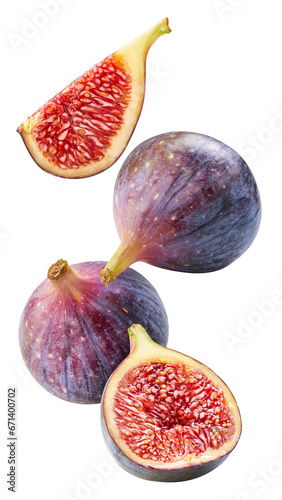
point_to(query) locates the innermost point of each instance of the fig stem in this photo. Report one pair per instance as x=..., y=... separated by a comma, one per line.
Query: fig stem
x=63, y=277
x=107, y=276
x=121, y=260
x=141, y=44
x=139, y=338
x=57, y=270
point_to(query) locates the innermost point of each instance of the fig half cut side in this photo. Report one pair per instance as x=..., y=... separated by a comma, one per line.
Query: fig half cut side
x=165, y=416
x=84, y=128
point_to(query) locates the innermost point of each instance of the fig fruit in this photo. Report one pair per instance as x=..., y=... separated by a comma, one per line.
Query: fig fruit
x=185, y=202
x=86, y=127
x=73, y=334
x=165, y=416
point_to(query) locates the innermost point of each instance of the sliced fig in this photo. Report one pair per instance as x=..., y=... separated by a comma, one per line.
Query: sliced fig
x=86, y=127
x=73, y=334
x=165, y=416
x=185, y=202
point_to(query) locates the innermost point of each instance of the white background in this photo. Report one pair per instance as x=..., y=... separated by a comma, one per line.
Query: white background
x=218, y=73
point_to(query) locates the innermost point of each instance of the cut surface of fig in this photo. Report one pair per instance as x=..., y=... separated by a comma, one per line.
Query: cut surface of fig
x=167, y=417
x=85, y=128
x=184, y=202
x=187, y=413
x=73, y=335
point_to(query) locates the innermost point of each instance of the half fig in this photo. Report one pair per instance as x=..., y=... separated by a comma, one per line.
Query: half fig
x=165, y=416
x=84, y=128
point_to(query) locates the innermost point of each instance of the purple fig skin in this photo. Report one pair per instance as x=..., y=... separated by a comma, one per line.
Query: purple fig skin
x=185, y=202
x=73, y=331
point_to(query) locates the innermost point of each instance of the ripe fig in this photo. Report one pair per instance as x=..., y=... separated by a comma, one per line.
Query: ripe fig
x=73, y=333
x=185, y=202
x=165, y=416
x=83, y=129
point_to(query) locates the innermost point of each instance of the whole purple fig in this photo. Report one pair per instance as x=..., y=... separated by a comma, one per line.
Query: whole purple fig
x=184, y=202
x=73, y=330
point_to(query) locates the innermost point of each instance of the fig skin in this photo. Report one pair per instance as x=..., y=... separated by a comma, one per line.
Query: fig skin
x=190, y=466
x=73, y=331
x=184, y=202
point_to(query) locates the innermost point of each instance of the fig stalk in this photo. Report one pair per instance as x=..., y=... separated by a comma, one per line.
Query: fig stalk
x=121, y=260
x=57, y=270
x=140, y=46
x=63, y=276
x=139, y=339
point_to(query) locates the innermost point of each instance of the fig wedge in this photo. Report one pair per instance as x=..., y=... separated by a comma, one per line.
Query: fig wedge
x=84, y=129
